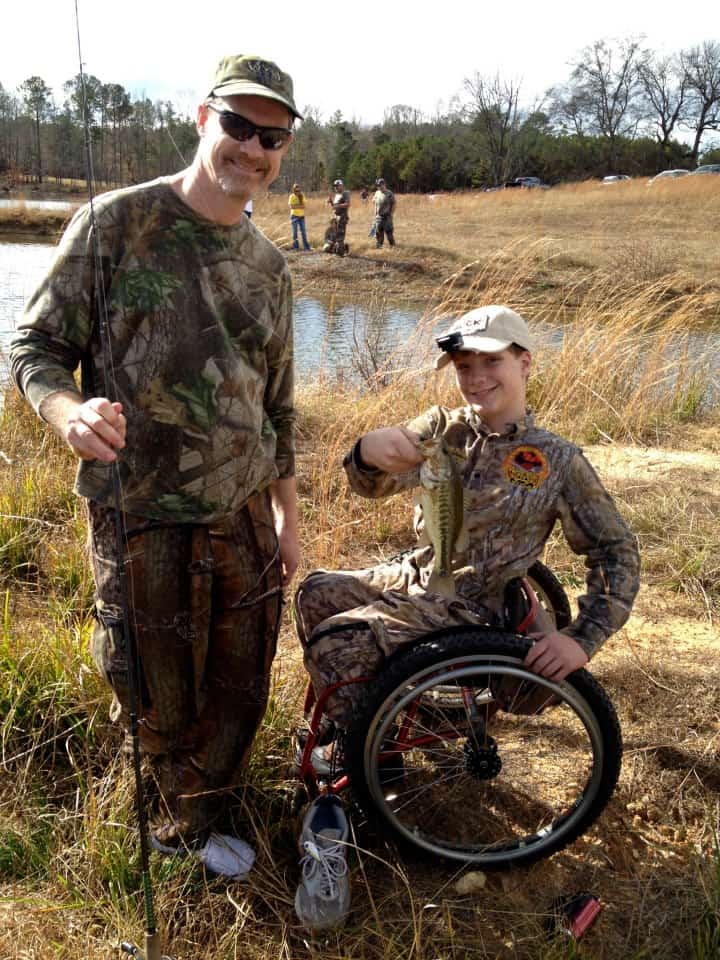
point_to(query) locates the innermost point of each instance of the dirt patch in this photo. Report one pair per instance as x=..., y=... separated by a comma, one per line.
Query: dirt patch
x=654, y=463
x=394, y=275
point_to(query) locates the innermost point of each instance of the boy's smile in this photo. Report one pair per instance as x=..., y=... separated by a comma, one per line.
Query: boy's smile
x=494, y=383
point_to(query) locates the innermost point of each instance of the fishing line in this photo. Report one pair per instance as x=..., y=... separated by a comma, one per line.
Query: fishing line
x=152, y=942
x=177, y=148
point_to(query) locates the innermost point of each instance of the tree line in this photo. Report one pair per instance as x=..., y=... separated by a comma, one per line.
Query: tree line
x=622, y=109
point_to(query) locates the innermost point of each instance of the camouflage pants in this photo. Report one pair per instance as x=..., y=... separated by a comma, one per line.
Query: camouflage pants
x=204, y=611
x=350, y=621
x=334, y=241
x=384, y=227
x=340, y=229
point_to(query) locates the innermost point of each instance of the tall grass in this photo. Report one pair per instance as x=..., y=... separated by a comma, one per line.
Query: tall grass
x=627, y=369
x=19, y=215
x=636, y=232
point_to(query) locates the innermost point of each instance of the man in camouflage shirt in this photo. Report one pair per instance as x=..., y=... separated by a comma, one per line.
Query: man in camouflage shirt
x=384, y=203
x=518, y=480
x=195, y=401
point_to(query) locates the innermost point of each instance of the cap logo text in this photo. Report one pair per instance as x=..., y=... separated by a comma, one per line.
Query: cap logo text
x=263, y=72
x=472, y=325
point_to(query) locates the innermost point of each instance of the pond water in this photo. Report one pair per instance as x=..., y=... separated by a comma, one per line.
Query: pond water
x=330, y=337
x=325, y=334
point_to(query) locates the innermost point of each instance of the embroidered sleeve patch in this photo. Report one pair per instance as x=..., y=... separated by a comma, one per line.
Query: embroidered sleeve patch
x=526, y=467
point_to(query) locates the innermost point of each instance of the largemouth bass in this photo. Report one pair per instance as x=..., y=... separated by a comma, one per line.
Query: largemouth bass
x=441, y=499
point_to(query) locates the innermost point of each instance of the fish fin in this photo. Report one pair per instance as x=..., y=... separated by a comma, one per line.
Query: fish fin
x=443, y=584
x=463, y=540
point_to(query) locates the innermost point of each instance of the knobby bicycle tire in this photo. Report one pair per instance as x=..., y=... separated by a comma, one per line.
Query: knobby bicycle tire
x=496, y=766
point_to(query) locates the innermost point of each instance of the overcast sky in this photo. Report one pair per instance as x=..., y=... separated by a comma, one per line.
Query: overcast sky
x=359, y=60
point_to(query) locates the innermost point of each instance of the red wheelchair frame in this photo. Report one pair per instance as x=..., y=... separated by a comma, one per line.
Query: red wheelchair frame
x=307, y=774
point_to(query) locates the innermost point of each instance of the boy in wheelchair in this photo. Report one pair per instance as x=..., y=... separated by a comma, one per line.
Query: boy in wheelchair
x=518, y=480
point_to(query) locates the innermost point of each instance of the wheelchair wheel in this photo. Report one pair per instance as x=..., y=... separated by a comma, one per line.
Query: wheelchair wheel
x=551, y=593
x=464, y=754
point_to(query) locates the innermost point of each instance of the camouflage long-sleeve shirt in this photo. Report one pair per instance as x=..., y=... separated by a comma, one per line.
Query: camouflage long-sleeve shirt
x=200, y=333
x=517, y=484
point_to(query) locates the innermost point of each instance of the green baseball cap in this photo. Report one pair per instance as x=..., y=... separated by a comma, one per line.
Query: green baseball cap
x=250, y=76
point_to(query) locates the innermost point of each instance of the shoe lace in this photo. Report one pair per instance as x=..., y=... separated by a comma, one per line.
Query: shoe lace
x=327, y=861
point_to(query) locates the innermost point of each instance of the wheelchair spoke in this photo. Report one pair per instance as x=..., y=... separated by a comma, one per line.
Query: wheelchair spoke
x=492, y=762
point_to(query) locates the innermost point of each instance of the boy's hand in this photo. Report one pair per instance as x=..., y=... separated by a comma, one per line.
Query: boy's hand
x=392, y=449
x=555, y=655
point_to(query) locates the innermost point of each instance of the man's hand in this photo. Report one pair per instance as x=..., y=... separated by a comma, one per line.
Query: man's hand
x=555, y=655
x=289, y=553
x=283, y=495
x=97, y=429
x=392, y=449
x=94, y=429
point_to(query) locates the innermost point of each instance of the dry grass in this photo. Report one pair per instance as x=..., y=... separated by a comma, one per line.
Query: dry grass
x=571, y=233
x=19, y=218
x=627, y=372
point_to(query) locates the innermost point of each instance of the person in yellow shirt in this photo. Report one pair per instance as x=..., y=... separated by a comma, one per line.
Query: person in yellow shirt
x=296, y=202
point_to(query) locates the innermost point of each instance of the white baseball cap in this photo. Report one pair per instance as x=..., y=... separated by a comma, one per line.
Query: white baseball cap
x=483, y=330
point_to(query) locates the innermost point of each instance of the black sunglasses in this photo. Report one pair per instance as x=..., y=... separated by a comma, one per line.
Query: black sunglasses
x=240, y=128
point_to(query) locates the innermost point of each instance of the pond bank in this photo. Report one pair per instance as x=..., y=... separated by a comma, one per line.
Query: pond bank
x=408, y=275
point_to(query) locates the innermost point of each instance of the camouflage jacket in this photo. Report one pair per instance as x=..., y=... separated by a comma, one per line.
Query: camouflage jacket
x=342, y=196
x=516, y=485
x=384, y=201
x=200, y=328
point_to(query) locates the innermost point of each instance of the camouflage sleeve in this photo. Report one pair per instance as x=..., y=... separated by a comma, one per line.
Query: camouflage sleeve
x=374, y=484
x=55, y=327
x=593, y=527
x=279, y=391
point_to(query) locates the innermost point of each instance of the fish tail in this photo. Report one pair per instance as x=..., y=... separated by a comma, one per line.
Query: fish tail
x=442, y=583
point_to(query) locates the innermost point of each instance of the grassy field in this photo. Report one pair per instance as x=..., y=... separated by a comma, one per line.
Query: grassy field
x=557, y=241
x=633, y=272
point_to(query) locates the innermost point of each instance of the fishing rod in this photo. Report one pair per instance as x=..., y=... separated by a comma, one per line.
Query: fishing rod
x=152, y=939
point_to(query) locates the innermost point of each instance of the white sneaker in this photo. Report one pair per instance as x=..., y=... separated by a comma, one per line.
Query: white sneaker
x=322, y=900
x=227, y=856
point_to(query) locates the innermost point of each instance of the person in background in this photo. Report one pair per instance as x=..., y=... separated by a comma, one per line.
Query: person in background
x=296, y=202
x=340, y=202
x=199, y=417
x=384, y=201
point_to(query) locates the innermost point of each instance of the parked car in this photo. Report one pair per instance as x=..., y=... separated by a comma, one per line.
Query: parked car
x=668, y=175
x=706, y=168
x=527, y=182
x=615, y=178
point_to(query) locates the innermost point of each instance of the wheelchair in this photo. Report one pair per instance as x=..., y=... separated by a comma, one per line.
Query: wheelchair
x=458, y=751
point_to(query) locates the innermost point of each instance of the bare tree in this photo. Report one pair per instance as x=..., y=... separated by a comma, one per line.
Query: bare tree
x=493, y=110
x=701, y=66
x=401, y=121
x=605, y=80
x=568, y=109
x=664, y=84
x=304, y=162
